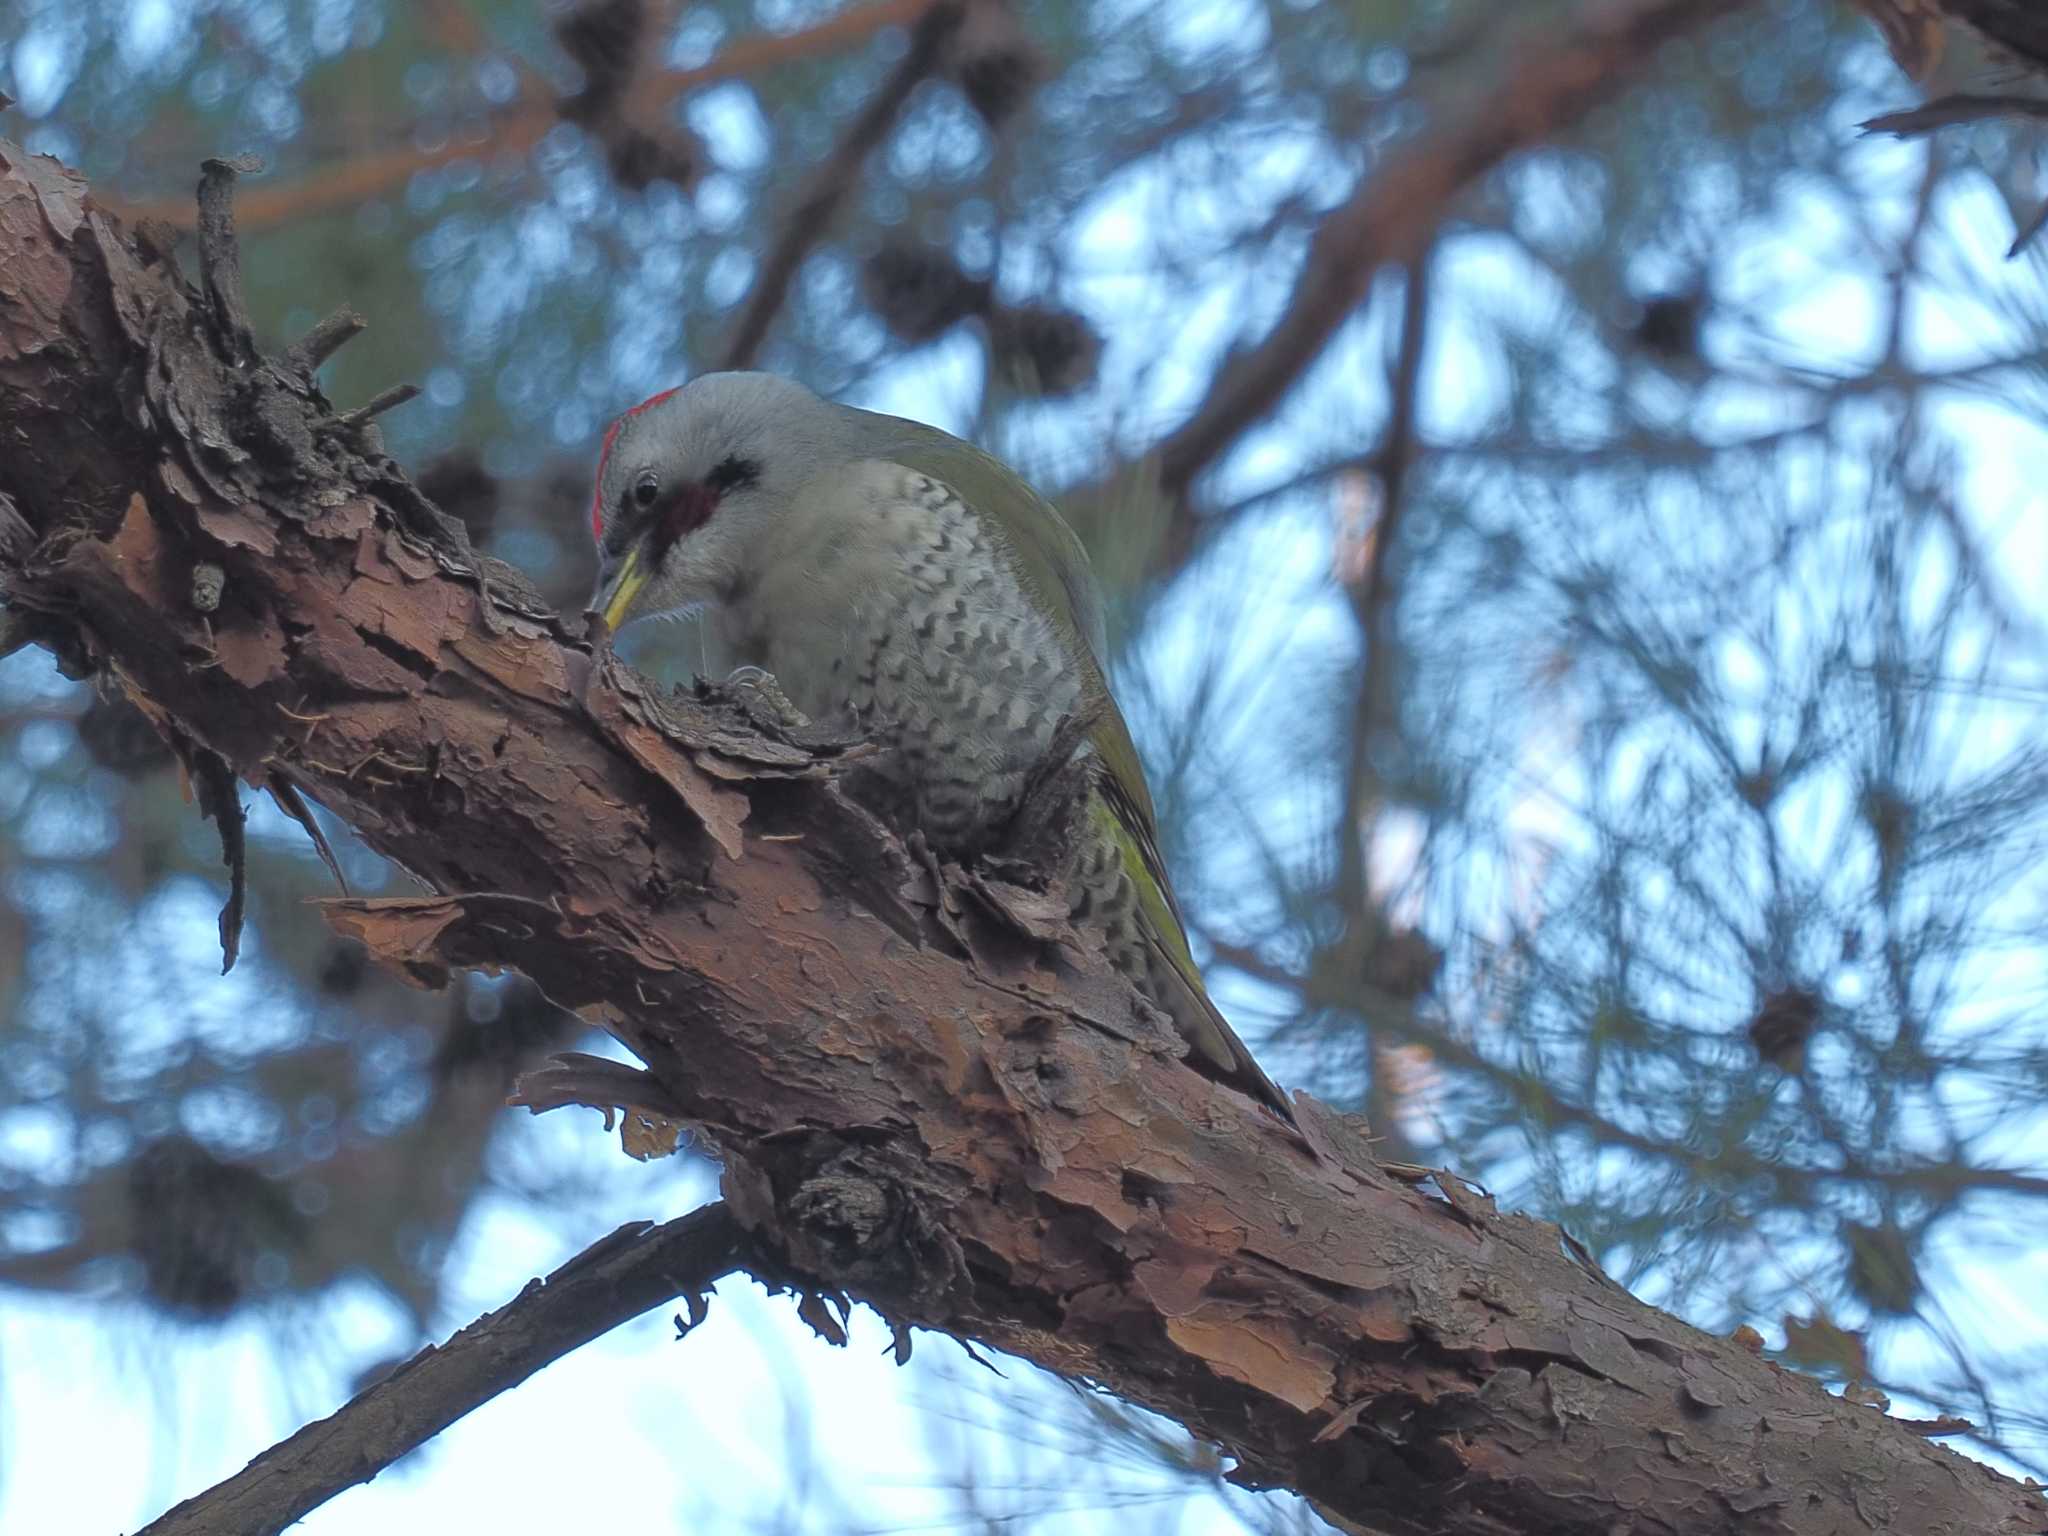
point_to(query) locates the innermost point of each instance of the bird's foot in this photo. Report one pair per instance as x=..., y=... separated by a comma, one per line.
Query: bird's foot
x=1045, y=828
x=929, y=887
x=926, y=858
x=761, y=698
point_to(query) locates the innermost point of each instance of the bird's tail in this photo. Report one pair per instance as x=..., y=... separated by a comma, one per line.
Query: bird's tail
x=1215, y=1050
x=1172, y=980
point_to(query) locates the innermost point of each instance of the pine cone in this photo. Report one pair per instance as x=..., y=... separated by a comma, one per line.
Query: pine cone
x=919, y=292
x=602, y=38
x=1050, y=352
x=202, y=1226
x=345, y=969
x=1668, y=326
x=1784, y=1022
x=995, y=64
x=639, y=158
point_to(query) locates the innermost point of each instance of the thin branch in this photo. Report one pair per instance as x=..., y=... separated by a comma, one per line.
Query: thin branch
x=1952, y=110
x=636, y=1268
x=293, y=804
x=1371, y=593
x=387, y=399
x=1371, y=606
x=324, y=340
x=1546, y=1105
x=1948, y=111
x=2018, y=28
x=770, y=50
x=1902, y=280
x=220, y=256
x=515, y=132
x=1371, y=598
x=1395, y=209
x=829, y=185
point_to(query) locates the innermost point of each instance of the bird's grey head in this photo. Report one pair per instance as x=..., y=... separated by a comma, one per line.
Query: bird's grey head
x=689, y=480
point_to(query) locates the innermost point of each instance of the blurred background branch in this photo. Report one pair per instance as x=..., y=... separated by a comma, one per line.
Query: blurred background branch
x=638, y=1267
x=636, y=93
x=1398, y=205
x=833, y=181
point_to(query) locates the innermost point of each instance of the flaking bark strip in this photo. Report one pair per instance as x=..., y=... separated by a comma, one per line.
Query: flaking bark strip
x=220, y=800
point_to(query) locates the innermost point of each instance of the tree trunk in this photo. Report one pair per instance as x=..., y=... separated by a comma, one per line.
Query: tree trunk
x=925, y=1095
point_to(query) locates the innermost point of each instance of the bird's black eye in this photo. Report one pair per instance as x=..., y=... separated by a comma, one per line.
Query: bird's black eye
x=645, y=489
x=732, y=473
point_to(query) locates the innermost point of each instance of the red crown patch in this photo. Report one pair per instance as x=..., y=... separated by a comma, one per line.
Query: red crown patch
x=604, y=454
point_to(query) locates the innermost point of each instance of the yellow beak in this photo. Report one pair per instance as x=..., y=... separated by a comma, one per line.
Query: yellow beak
x=626, y=586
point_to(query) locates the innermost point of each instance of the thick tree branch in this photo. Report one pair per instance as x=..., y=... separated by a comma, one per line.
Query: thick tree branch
x=917, y=1101
x=1397, y=207
x=637, y=1268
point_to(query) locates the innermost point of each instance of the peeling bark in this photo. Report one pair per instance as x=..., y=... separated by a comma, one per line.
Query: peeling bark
x=918, y=1105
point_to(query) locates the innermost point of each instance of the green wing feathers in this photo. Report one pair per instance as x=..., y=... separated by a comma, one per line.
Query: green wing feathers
x=1214, y=1046
x=1052, y=565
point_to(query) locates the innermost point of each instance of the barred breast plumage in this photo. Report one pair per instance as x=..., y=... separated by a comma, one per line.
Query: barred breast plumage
x=943, y=658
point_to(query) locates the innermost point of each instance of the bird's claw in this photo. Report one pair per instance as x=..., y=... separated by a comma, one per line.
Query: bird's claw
x=760, y=696
x=1044, y=831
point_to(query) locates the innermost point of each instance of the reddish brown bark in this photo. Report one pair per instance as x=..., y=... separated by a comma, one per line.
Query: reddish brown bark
x=970, y=1130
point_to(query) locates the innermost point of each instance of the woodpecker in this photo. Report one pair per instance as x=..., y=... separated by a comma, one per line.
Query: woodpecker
x=877, y=565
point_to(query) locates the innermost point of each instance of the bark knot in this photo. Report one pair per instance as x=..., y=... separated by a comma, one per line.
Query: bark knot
x=869, y=1215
